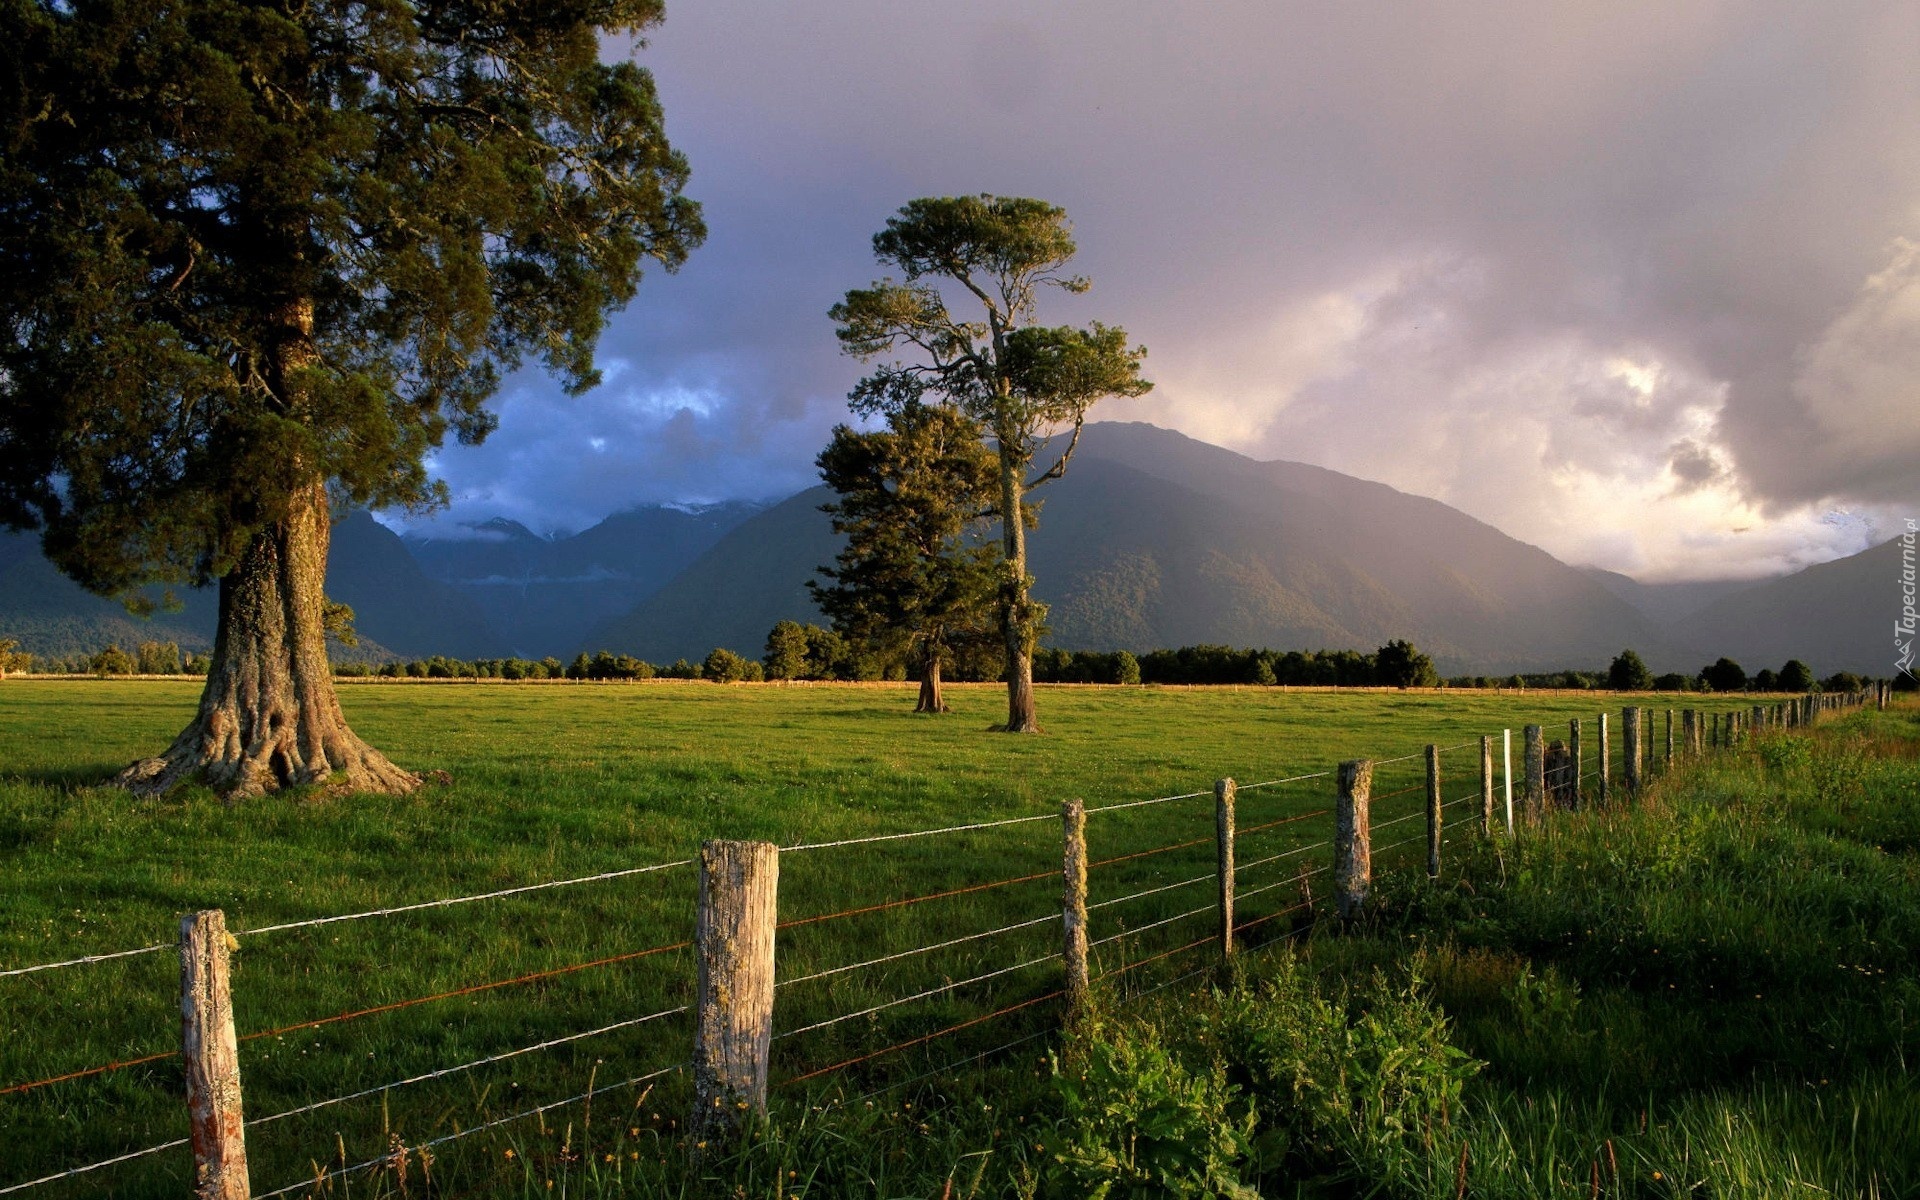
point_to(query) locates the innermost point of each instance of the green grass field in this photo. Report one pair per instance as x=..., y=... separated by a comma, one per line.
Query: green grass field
x=553, y=781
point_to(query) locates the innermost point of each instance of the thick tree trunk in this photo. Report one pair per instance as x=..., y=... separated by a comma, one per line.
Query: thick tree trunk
x=269, y=718
x=930, y=698
x=1016, y=613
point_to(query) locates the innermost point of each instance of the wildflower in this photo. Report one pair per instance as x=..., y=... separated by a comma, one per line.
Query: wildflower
x=509, y=1152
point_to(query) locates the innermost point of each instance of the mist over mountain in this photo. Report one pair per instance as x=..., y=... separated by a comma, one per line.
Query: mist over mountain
x=1151, y=540
x=1154, y=539
x=545, y=596
x=1834, y=616
x=1668, y=603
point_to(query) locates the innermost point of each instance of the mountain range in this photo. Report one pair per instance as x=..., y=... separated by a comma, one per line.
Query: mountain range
x=1152, y=539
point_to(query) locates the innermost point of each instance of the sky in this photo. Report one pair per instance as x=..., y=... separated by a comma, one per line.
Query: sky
x=1637, y=283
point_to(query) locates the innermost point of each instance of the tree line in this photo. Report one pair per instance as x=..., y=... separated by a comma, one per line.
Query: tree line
x=807, y=652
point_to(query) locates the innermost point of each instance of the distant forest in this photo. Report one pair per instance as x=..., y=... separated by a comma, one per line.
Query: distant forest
x=797, y=652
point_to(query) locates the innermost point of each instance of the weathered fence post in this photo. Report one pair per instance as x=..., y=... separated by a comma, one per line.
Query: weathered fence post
x=1606, y=761
x=1536, y=793
x=1575, y=750
x=1697, y=736
x=1669, y=762
x=1486, y=785
x=1630, y=731
x=1506, y=774
x=1758, y=719
x=733, y=983
x=217, y=1130
x=1647, y=743
x=1073, y=906
x=1352, y=839
x=1433, y=812
x=1223, y=792
x=1689, y=721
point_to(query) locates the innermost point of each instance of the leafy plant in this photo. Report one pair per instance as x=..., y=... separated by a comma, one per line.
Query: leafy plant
x=1142, y=1123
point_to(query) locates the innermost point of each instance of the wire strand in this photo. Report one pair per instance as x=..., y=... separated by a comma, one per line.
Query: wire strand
x=945, y=987
x=122, y=1064
x=1154, y=891
x=464, y=991
x=1114, y=937
x=1248, y=787
x=92, y=1166
x=928, y=1037
x=959, y=891
x=443, y=1072
x=85, y=959
x=1144, y=803
x=448, y=903
x=916, y=833
x=886, y=958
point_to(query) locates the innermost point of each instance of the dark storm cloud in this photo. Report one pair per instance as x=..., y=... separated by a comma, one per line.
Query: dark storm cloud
x=1527, y=258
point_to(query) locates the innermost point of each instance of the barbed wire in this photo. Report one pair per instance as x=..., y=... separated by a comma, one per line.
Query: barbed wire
x=906, y=900
x=917, y=833
x=1138, y=929
x=1154, y=891
x=70, y=1172
x=945, y=987
x=84, y=959
x=443, y=1072
x=622, y=873
x=1144, y=803
x=924, y=1038
x=887, y=958
x=471, y=989
x=1249, y=787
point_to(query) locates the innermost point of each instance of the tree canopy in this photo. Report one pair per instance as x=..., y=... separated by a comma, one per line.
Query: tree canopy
x=257, y=260
x=1024, y=383
x=1628, y=673
x=914, y=576
x=421, y=196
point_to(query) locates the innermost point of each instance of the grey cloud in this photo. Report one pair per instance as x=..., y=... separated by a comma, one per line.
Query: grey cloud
x=1326, y=222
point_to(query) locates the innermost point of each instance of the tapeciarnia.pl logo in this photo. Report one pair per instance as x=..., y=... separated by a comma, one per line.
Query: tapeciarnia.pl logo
x=1903, y=629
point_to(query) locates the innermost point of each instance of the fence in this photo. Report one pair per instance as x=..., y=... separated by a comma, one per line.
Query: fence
x=1118, y=915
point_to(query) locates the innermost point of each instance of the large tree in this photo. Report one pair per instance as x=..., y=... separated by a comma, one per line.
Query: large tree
x=257, y=259
x=1023, y=382
x=914, y=574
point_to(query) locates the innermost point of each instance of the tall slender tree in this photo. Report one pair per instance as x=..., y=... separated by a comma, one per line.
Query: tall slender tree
x=914, y=574
x=1023, y=382
x=257, y=258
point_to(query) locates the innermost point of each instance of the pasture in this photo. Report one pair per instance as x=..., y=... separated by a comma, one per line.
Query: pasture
x=549, y=782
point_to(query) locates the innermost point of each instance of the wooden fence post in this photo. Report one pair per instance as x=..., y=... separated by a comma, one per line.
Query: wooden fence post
x=1506, y=774
x=1352, y=839
x=1758, y=717
x=1486, y=785
x=1606, y=761
x=733, y=984
x=1536, y=793
x=1689, y=725
x=1647, y=744
x=217, y=1130
x=1073, y=906
x=1630, y=731
x=1223, y=793
x=1669, y=762
x=1576, y=752
x=1433, y=811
